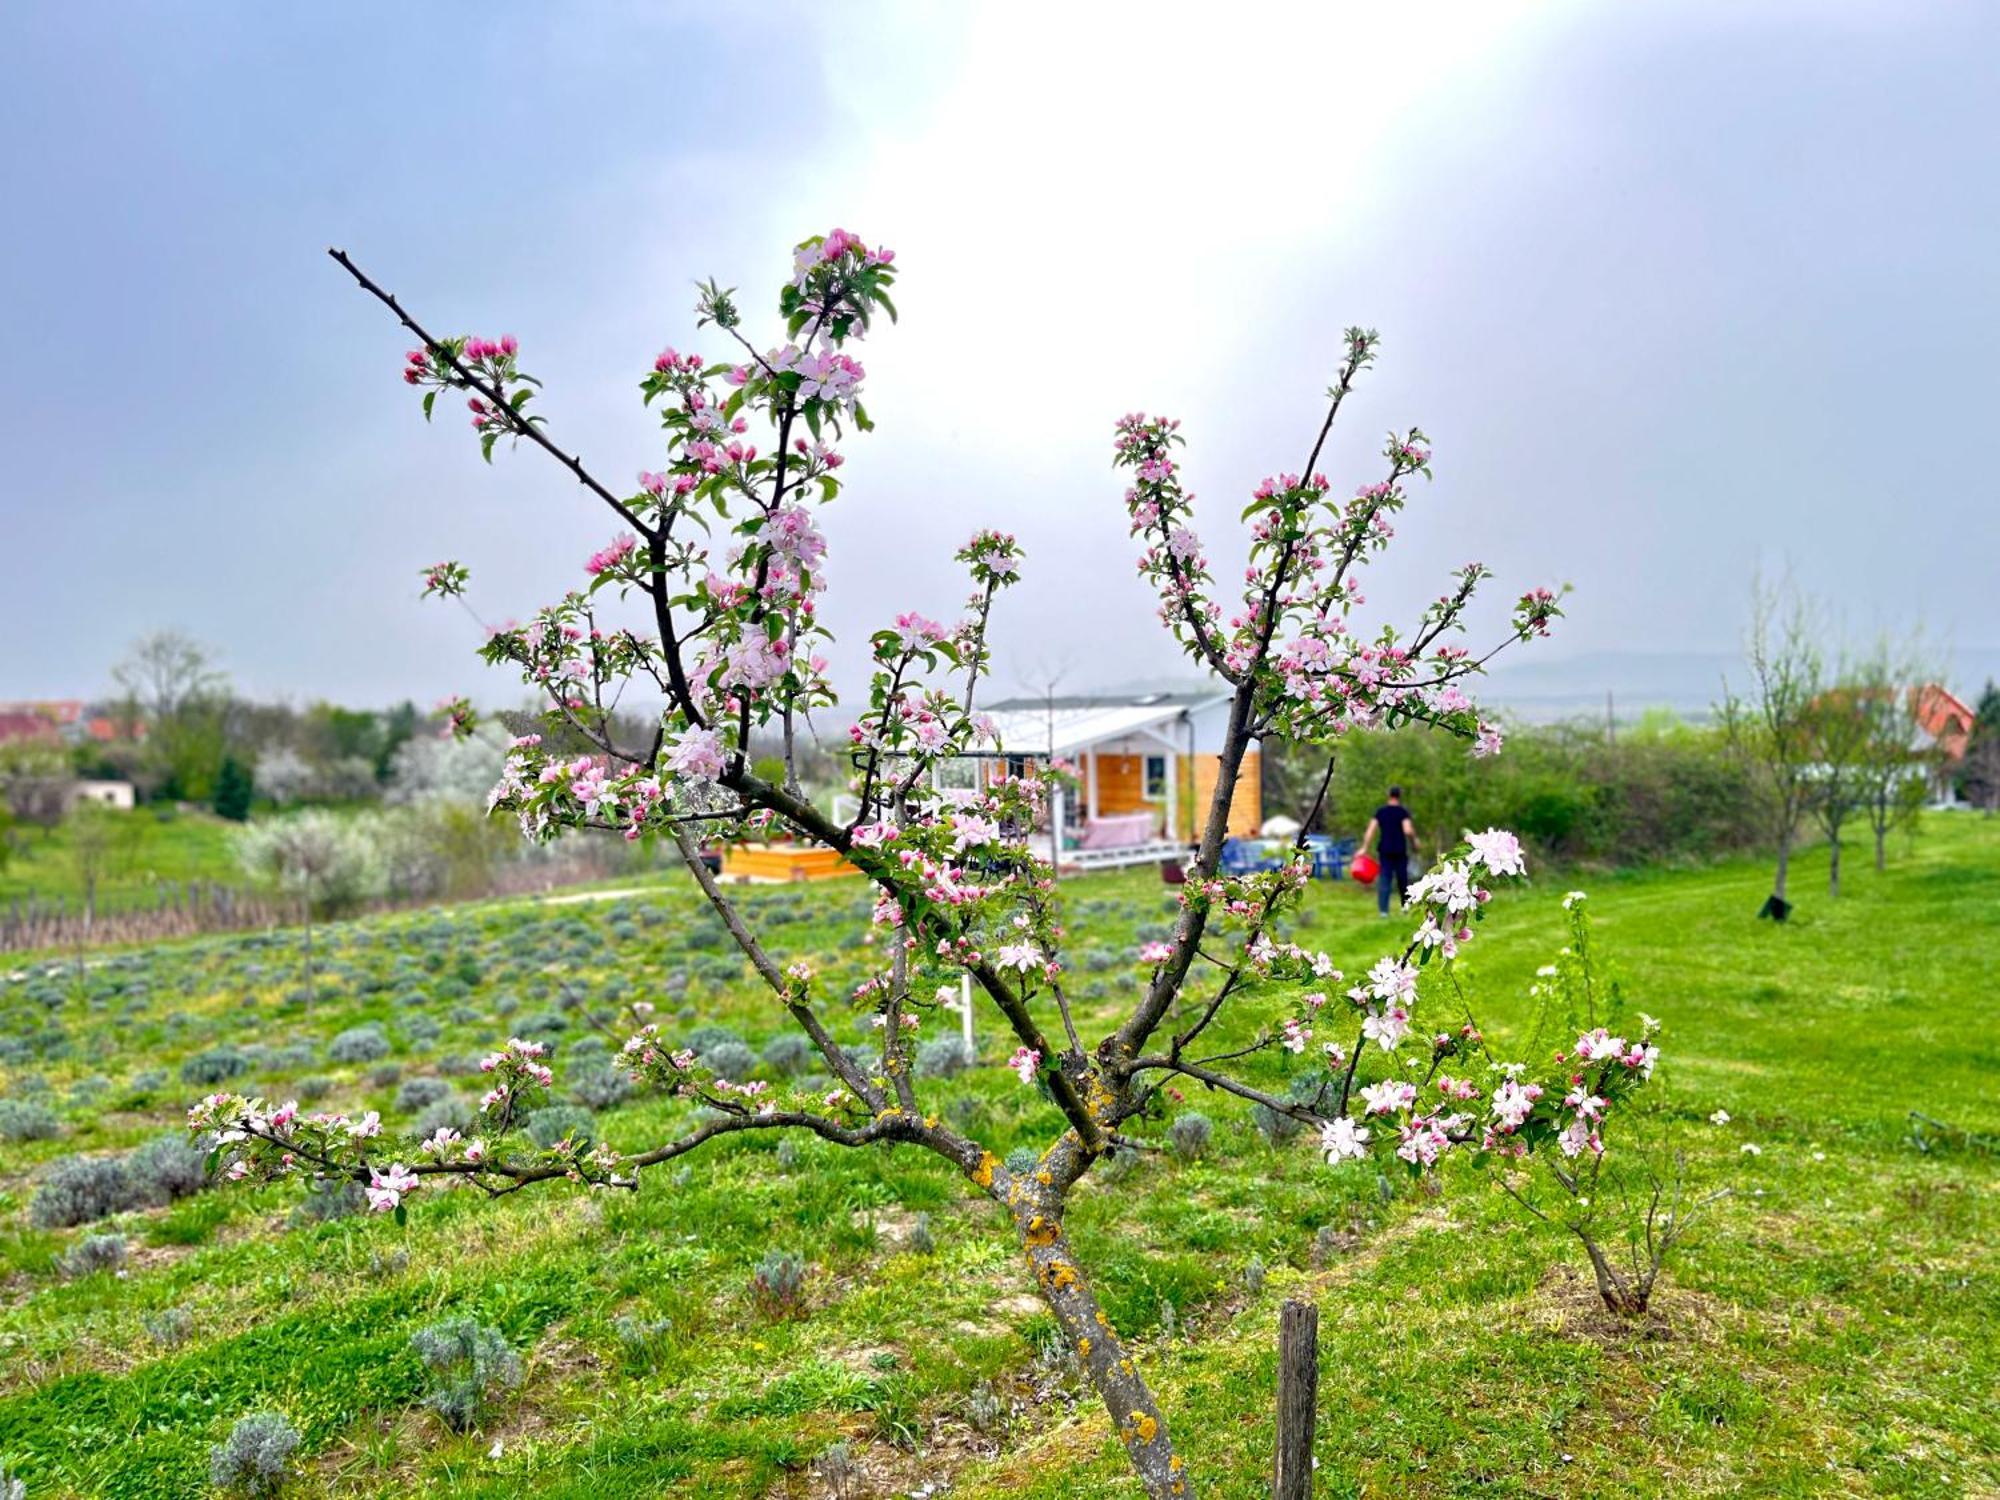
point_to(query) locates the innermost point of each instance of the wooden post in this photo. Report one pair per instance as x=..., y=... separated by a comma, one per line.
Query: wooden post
x=1298, y=1398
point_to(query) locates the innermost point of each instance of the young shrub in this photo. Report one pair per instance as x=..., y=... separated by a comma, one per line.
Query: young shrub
x=358, y=1044
x=702, y=1038
x=25, y=1120
x=165, y=1169
x=382, y=1075
x=1253, y=1276
x=312, y=1086
x=1629, y=1203
x=837, y=1470
x=1277, y=1127
x=642, y=1342
x=986, y=1411
x=779, y=1284
x=256, y=1456
x=1189, y=1135
x=557, y=1122
x=216, y=1065
x=945, y=1057
x=731, y=1060
x=452, y=1112
x=600, y=1088
x=922, y=1241
x=80, y=1189
x=418, y=1093
x=325, y=1202
x=470, y=1363
x=788, y=1054
x=170, y=1327
x=94, y=1253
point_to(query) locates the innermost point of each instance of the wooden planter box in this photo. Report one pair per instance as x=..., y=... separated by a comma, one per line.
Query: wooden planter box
x=771, y=864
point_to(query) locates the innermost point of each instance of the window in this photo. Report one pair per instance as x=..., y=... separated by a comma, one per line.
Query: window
x=1156, y=778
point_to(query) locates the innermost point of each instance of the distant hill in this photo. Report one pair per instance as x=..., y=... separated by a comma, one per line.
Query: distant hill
x=1688, y=682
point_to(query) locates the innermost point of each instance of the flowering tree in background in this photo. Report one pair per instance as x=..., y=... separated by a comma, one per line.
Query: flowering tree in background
x=722, y=546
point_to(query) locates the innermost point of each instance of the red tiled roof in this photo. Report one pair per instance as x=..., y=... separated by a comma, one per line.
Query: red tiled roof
x=1943, y=716
x=17, y=725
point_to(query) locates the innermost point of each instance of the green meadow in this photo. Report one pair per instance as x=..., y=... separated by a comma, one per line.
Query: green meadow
x=1832, y=1327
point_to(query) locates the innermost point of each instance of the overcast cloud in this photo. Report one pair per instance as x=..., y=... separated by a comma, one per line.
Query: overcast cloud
x=1677, y=291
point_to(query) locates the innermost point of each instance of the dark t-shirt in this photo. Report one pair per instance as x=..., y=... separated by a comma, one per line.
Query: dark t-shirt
x=1389, y=819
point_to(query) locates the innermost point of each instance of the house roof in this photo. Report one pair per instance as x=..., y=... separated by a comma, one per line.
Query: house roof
x=17, y=725
x=1063, y=726
x=1944, y=716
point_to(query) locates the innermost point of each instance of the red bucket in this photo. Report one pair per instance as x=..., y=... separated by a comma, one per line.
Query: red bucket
x=1364, y=868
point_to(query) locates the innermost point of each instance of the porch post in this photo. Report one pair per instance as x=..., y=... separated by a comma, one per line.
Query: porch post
x=1173, y=795
x=1055, y=829
x=1090, y=782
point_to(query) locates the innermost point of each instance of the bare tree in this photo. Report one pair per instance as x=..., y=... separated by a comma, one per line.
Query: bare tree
x=1892, y=765
x=1840, y=725
x=178, y=693
x=165, y=672
x=1773, y=730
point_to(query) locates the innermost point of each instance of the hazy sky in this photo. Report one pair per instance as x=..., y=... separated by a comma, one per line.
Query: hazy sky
x=1675, y=289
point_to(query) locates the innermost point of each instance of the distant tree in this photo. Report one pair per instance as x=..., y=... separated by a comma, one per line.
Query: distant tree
x=94, y=837
x=319, y=857
x=1893, y=766
x=440, y=768
x=1987, y=714
x=1840, y=723
x=179, y=696
x=1772, y=730
x=234, y=788
x=1979, y=772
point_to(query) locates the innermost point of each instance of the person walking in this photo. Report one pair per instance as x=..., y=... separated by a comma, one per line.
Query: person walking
x=1399, y=836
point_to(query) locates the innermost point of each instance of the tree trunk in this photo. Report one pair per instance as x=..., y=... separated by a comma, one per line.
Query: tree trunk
x=1619, y=1296
x=1784, y=864
x=1833, y=865
x=1881, y=847
x=1134, y=1413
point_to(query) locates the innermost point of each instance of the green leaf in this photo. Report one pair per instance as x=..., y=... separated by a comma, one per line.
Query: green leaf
x=430, y=400
x=402, y=1216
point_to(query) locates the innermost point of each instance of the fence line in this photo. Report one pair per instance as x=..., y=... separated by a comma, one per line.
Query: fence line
x=175, y=909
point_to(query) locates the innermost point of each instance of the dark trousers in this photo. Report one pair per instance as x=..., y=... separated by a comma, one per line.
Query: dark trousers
x=1395, y=872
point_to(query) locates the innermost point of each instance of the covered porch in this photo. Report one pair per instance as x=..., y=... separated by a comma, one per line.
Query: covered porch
x=1132, y=772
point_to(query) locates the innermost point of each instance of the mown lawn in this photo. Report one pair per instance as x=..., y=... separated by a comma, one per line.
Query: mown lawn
x=1831, y=1331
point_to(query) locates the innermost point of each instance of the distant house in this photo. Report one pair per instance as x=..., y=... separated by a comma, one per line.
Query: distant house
x=1944, y=730
x=1145, y=767
x=117, y=795
x=20, y=724
x=68, y=720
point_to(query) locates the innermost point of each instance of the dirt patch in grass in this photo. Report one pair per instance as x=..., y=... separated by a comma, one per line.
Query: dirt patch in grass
x=1565, y=1302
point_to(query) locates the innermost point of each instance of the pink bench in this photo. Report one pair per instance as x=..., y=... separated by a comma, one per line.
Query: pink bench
x=1120, y=831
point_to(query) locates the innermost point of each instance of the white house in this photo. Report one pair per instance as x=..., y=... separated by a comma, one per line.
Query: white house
x=1145, y=766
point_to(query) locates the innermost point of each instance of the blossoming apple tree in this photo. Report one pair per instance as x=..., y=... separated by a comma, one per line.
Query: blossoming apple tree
x=721, y=547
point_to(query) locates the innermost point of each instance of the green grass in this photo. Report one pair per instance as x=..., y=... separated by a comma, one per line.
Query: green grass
x=144, y=851
x=1831, y=1331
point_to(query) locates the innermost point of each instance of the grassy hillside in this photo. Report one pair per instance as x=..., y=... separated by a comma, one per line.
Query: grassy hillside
x=144, y=849
x=1832, y=1331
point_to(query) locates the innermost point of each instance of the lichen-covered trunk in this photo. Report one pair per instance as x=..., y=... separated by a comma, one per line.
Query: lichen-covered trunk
x=1134, y=1413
